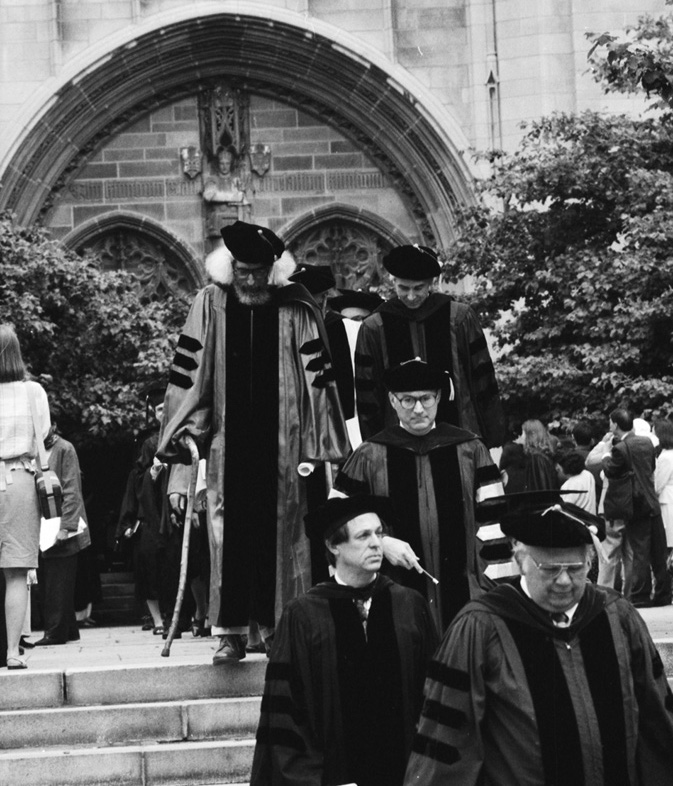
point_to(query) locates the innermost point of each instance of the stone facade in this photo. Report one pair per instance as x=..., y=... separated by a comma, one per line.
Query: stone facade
x=367, y=112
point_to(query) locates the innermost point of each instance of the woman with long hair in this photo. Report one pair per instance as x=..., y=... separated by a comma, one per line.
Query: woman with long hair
x=19, y=508
x=528, y=462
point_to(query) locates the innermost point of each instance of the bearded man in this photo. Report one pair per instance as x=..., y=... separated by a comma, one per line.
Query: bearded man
x=252, y=384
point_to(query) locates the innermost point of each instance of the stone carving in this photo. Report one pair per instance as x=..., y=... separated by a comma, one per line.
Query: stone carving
x=353, y=252
x=155, y=270
x=190, y=155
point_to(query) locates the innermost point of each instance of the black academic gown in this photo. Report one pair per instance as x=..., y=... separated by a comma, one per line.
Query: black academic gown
x=338, y=706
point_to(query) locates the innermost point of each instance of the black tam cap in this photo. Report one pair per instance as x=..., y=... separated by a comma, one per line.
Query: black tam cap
x=154, y=392
x=417, y=263
x=542, y=518
x=355, y=298
x=316, y=278
x=252, y=244
x=416, y=374
x=324, y=521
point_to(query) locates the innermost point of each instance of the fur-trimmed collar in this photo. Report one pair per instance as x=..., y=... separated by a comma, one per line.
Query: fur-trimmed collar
x=220, y=267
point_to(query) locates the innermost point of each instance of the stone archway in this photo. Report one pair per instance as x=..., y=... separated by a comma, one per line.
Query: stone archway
x=158, y=260
x=352, y=242
x=262, y=50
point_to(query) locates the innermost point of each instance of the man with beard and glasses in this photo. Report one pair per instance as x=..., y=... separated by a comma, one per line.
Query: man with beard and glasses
x=252, y=383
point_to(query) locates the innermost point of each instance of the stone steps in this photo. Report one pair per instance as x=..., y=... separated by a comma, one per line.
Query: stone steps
x=131, y=725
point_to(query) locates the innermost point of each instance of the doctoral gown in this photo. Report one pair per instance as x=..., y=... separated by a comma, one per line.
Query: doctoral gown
x=513, y=701
x=340, y=705
x=442, y=332
x=434, y=482
x=255, y=388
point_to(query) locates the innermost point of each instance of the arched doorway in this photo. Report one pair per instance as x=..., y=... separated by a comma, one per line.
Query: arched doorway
x=262, y=50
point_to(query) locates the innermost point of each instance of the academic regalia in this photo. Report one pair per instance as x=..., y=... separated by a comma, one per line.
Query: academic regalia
x=339, y=707
x=434, y=482
x=511, y=699
x=254, y=387
x=444, y=333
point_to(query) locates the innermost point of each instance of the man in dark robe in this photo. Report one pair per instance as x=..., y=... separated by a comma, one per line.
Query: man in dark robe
x=549, y=679
x=252, y=383
x=345, y=681
x=434, y=473
x=421, y=323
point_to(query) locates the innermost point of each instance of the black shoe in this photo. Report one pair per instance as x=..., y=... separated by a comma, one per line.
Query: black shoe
x=48, y=642
x=199, y=628
x=231, y=649
x=26, y=644
x=178, y=633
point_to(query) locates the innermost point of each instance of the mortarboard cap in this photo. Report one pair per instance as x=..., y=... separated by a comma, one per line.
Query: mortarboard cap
x=416, y=263
x=316, y=278
x=542, y=518
x=324, y=521
x=252, y=244
x=416, y=374
x=354, y=298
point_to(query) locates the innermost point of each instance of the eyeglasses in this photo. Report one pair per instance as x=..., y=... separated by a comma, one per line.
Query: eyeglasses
x=552, y=570
x=256, y=272
x=409, y=402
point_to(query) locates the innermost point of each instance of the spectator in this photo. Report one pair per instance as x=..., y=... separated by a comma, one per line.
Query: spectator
x=19, y=510
x=58, y=565
x=575, y=477
x=663, y=477
x=528, y=462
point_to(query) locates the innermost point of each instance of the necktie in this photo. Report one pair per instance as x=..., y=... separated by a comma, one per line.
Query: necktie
x=363, y=611
x=560, y=619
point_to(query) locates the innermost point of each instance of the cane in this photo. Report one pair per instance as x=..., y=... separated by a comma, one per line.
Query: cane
x=191, y=494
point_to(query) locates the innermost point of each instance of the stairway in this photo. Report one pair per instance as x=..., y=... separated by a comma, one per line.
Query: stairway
x=118, y=605
x=160, y=722
x=110, y=711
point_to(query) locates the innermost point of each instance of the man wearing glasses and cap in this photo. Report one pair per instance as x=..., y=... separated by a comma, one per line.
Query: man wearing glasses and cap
x=550, y=679
x=435, y=474
x=252, y=383
x=419, y=322
x=344, y=685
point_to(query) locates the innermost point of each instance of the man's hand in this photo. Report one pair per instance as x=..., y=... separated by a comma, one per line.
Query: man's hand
x=399, y=552
x=178, y=504
x=61, y=535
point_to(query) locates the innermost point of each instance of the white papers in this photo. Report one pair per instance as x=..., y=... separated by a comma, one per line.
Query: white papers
x=49, y=529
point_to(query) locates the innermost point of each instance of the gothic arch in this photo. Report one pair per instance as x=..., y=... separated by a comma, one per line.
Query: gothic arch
x=167, y=260
x=269, y=51
x=352, y=241
x=342, y=212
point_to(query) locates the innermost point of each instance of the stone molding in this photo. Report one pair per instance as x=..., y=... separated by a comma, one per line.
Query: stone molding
x=277, y=59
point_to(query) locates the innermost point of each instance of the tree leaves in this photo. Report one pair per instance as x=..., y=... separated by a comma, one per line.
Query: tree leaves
x=87, y=335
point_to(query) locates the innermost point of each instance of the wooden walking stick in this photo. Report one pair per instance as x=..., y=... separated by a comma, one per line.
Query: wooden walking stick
x=191, y=494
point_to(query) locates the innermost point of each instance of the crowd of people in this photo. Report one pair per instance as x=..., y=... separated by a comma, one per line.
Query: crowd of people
x=350, y=515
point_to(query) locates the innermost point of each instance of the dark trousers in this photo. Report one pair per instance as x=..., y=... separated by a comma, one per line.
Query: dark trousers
x=56, y=588
x=646, y=550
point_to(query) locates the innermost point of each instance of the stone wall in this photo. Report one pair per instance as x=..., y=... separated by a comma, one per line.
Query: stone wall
x=139, y=171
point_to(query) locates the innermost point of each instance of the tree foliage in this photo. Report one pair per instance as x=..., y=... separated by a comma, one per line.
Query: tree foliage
x=640, y=58
x=87, y=335
x=571, y=259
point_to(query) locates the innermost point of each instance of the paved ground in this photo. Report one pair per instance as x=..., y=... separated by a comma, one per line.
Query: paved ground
x=122, y=646
x=130, y=645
